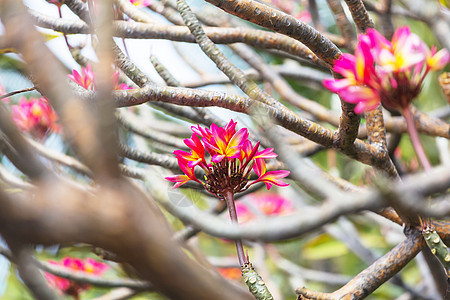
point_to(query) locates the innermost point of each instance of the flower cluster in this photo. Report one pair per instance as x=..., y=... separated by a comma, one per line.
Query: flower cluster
x=35, y=116
x=86, y=79
x=390, y=72
x=89, y=266
x=231, y=159
x=140, y=3
x=266, y=204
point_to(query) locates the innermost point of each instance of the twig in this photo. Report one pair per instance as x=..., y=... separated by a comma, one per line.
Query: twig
x=229, y=69
x=17, y=92
x=360, y=15
x=278, y=21
x=379, y=272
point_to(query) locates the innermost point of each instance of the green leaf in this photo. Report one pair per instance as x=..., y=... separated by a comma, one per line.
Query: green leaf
x=323, y=247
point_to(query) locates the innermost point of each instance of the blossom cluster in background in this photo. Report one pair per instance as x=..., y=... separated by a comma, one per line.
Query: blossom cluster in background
x=231, y=159
x=89, y=266
x=390, y=72
x=86, y=79
x=140, y=3
x=36, y=116
x=266, y=204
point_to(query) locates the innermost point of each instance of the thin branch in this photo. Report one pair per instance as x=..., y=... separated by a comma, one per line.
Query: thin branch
x=230, y=70
x=17, y=92
x=254, y=37
x=201, y=98
x=280, y=228
x=343, y=24
x=283, y=88
x=278, y=21
x=360, y=15
x=376, y=274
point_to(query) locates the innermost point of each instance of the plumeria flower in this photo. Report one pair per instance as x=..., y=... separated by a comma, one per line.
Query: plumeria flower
x=229, y=163
x=272, y=204
x=244, y=213
x=437, y=60
x=86, y=79
x=141, y=3
x=35, y=116
x=390, y=72
x=89, y=266
x=267, y=204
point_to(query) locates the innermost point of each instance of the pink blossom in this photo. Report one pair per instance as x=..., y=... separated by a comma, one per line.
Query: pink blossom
x=390, y=72
x=272, y=204
x=243, y=212
x=140, y=3
x=86, y=79
x=35, y=116
x=69, y=287
x=267, y=204
x=231, y=159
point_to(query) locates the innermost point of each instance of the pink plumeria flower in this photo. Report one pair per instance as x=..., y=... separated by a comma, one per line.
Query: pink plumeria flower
x=268, y=204
x=117, y=85
x=69, y=287
x=231, y=159
x=35, y=116
x=390, y=72
x=437, y=60
x=243, y=212
x=272, y=204
x=141, y=3
x=86, y=79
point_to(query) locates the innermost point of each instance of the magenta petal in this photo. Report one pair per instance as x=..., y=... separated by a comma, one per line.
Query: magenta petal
x=336, y=85
x=266, y=154
x=217, y=158
x=192, y=164
x=178, y=179
x=238, y=138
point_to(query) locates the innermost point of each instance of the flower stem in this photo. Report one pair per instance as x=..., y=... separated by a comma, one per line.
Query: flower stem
x=418, y=148
x=415, y=140
x=229, y=198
